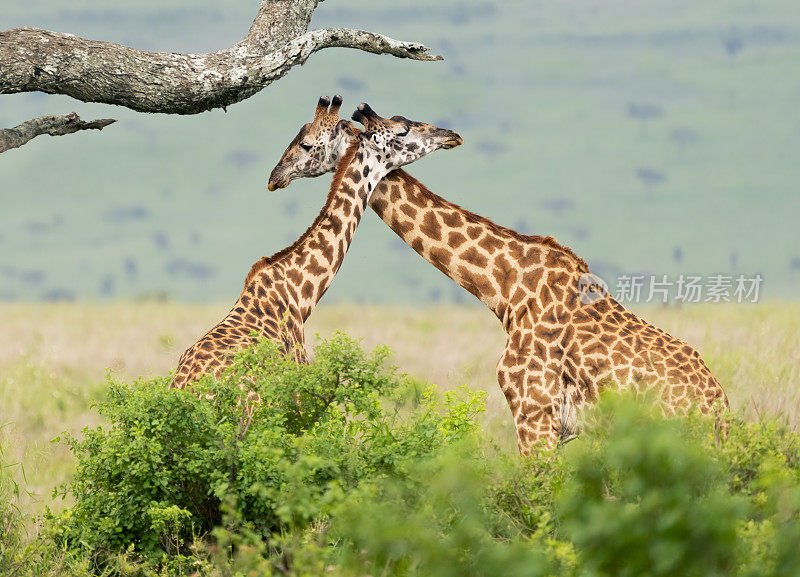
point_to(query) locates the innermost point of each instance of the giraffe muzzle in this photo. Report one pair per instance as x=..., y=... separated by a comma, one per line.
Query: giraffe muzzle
x=277, y=181
x=279, y=177
x=273, y=186
x=453, y=143
x=452, y=139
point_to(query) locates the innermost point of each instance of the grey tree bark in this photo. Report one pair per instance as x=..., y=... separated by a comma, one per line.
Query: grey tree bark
x=48, y=124
x=32, y=60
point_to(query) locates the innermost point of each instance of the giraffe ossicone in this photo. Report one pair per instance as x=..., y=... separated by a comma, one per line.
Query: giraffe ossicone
x=566, y=337
x=281, y=291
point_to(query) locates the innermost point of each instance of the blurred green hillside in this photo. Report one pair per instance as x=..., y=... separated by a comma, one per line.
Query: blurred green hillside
x=657, y=137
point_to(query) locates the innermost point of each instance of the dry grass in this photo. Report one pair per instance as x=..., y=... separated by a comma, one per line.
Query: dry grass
x=53, y=358
x=754, y=351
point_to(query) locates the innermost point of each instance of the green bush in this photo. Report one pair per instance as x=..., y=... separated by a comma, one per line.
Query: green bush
x=636, y=494
x=158, y=475
x=442, y=520
x=346, y=468
x=653, y=496
x=645, y=498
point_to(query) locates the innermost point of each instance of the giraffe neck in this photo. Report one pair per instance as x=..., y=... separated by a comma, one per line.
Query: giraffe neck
x=486, y=259
x=312, y=261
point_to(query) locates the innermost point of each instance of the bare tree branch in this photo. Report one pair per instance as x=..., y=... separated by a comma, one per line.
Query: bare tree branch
x=92, y=71
x=49, y=124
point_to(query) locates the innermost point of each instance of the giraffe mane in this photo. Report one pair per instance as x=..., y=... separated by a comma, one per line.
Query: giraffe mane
x=341, y=168
x=547, y=241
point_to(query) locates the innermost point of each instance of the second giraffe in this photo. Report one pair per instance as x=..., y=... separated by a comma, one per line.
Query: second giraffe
x=566, y=338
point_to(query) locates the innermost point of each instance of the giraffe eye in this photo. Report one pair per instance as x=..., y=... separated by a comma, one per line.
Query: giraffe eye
x=306, y=147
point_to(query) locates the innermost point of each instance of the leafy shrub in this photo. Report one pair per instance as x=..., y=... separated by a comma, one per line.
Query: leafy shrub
x=159, y=474
x=346, y=468
x=636, y=494
x=753, y=447
x=646, y=498
x=440, y=520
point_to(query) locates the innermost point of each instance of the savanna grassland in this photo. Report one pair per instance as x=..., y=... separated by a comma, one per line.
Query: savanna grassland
x=53, y=360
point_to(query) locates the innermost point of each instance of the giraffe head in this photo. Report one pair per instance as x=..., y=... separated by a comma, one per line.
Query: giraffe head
x=317, y=148
x=402, y=140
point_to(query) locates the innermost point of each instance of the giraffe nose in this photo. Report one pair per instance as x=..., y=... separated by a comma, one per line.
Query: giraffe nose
x=274, y=185
x=277, y=179
x=452, y=139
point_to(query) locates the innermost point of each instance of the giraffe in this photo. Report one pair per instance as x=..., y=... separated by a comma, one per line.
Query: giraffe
x=566, y=337
x=280, y=291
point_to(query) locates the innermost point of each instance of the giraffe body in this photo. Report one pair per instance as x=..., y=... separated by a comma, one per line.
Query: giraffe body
x=281, y=291
x=566, y=339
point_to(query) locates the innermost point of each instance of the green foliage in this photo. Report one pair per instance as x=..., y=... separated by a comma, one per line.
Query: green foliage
x=762, y=463
x=753, y=448
x=159, y=474
x=647, y=499
x=636, y=494
x=654, y=496
x=345, y=468
x=438, y=521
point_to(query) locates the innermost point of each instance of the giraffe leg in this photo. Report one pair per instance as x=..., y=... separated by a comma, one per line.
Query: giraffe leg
x=299, y=350
x=714, y=402
x=540, y=420
x=535, y=397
